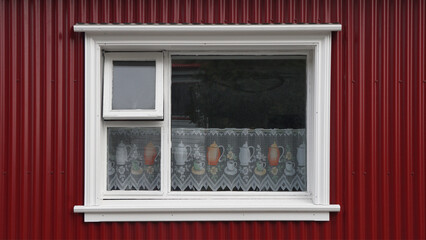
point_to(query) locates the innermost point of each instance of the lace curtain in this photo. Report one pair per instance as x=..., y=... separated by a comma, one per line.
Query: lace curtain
x=209, y=159
x=238, y=159
x=134, y=158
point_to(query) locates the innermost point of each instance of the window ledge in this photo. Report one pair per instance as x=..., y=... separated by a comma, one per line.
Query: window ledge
x=211, y=210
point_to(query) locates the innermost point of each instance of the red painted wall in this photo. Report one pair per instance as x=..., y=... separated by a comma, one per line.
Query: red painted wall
x=378, y=157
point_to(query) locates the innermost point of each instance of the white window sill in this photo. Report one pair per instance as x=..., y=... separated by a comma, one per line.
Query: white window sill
x=209, y=210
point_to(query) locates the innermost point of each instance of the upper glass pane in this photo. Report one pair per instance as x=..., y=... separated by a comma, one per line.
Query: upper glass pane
x=239, y=123
x=133, y=85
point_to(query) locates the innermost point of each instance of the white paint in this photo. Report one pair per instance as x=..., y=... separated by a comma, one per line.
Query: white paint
x=184, y=28
x=312, y=40
x=213, y=210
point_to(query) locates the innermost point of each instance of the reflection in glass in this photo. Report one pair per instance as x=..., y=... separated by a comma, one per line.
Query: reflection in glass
x=133, y=85
x=238, y=123
x=134, y=158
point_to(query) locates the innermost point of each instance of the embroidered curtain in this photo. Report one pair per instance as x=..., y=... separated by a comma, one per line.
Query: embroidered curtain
x=209, y=159
x=238, y=159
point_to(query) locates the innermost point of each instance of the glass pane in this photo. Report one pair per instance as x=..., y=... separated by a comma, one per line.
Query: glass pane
x=239, y=123
x=133, y=85
x=134, y=158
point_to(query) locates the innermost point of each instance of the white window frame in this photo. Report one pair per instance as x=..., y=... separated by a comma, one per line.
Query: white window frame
x=133, y=114
x=163, y=205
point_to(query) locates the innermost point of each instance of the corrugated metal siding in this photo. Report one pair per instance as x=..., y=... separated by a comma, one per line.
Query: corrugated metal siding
x=378, y=169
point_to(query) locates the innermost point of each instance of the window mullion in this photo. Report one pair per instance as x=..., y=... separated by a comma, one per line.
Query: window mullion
x=166, y=160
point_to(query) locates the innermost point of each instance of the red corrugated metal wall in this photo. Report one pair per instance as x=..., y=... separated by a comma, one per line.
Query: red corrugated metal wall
x=378, y=156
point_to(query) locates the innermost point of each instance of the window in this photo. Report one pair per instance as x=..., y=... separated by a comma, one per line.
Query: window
x=237, y=123
x=207, y=122
x=133, y=85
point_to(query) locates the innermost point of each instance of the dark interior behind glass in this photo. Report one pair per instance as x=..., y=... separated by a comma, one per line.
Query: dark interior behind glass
x=239, y=93
x=239, y=123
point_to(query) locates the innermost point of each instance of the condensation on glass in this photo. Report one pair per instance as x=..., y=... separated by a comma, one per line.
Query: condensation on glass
x=133, y=85
x=239, y=123
x=133, y=158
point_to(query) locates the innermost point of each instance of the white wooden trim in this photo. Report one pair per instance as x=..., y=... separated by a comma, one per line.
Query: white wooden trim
x=133, y=114
x=180, y=28
x=252, y=39
x=166, y=182
x=92, y=119
x=216, y=205
x=247, y=210
x=200, y=215
x=212, y=210
x=310, y=120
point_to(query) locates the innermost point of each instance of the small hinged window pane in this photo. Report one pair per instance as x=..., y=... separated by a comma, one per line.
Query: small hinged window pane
x=133, y=85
